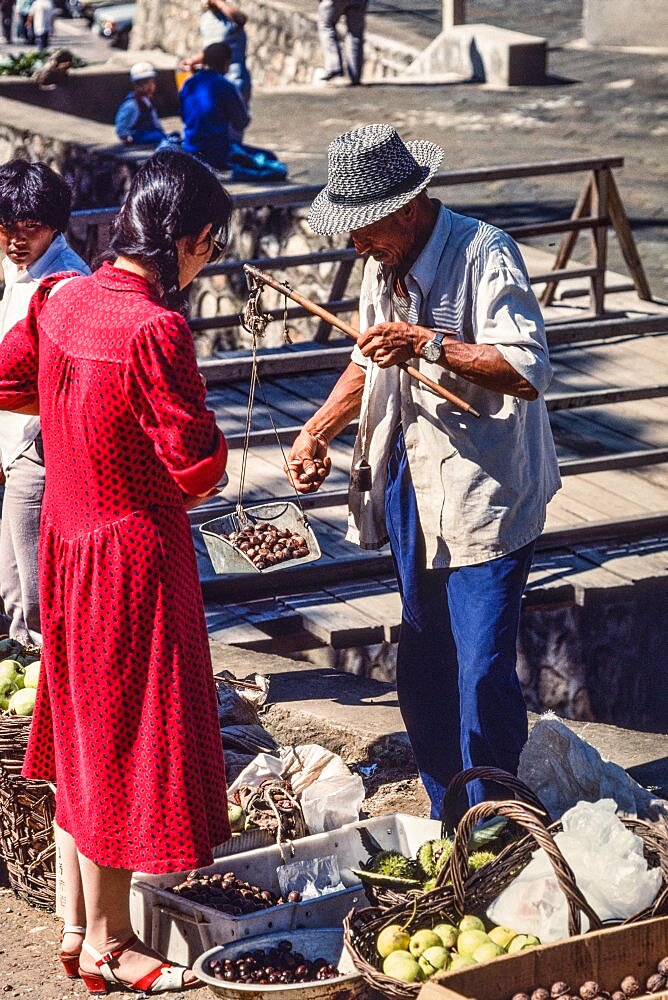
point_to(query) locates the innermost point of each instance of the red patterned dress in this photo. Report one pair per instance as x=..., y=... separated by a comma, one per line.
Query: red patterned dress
x=125, y=721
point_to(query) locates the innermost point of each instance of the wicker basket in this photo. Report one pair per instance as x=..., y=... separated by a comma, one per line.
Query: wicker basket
x=386, y=897
x=27, y=808
x=466, y=895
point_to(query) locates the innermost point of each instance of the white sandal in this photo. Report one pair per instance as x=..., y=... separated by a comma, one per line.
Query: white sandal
x=167, y=978
x=70, y=959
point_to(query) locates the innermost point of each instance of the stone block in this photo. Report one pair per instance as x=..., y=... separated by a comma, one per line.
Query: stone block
x=484, y=53
x=607, y=22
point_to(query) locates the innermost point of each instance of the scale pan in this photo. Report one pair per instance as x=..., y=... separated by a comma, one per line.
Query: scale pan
x=228, y=560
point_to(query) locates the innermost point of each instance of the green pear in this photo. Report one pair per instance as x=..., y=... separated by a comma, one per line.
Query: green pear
x=459, y=962
x=433, y=959
x=31, y=678
x=401, y=965
x=447, y=934
x=486, y=952
x=422, y=940
x=522, y=941
x=235, y=813
x=22, y=703
x=502, y=936
x=9, y=670
x=392, y=938
x=469, y=923
x=468, y=941
x=7, y=687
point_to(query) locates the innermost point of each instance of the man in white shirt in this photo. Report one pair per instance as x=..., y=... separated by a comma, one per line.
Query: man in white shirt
x=460, y=499
x=34, y=212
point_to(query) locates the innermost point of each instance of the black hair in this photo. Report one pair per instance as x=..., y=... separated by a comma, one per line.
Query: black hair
x=33, y=192
x=172, y=195
x=218, y=56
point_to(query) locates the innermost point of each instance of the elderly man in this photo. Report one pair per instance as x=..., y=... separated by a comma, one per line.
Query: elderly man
x=461, y=500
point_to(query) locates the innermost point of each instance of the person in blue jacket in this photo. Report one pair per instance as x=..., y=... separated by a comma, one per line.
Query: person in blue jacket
x=136, y=119
x=211, y=108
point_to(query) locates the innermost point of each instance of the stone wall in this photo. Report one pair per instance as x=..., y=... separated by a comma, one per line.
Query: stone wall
x=282, y=41
x=592, y=660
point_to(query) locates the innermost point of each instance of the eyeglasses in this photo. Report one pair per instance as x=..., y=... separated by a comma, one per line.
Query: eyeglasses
x=218, y=244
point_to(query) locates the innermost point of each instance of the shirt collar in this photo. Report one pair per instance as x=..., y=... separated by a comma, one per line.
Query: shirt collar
x=43, y=266
x=423, y=271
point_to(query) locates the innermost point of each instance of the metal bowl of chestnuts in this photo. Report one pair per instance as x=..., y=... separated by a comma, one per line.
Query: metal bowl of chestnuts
x=298, y=965
x=266, y=538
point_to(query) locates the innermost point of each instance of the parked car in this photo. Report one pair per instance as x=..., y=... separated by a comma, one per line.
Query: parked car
x=88, y=8
x=115, y=23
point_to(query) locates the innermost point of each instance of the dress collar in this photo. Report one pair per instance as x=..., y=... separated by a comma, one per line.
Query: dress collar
x=119, y=280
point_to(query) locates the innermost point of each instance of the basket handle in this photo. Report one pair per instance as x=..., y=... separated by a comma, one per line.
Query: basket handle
x=449, y=816
x=526, y=817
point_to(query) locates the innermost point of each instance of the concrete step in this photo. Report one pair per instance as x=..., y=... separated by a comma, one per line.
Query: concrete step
x=356, y=716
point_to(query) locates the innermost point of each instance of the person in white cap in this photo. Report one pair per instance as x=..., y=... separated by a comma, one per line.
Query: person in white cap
x=136, y=119
x=460, y=499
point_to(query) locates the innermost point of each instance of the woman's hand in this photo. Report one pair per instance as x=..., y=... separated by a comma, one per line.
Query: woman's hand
x=190, y=502
x=308, y=463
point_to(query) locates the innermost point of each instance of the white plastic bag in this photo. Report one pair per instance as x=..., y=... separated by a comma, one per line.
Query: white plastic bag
x=262, y=767
x=609, y=867
x=563, y=769
x=334, y=798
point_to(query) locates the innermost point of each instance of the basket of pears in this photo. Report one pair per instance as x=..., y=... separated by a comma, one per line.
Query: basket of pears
x=19, y=675
x=444, y=929
x=27, y=808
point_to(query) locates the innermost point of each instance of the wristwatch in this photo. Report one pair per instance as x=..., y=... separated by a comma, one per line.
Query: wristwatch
x=432, y=349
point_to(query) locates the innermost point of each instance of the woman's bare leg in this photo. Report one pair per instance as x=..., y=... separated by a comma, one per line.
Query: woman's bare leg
x=75, y=910
x=107, y=896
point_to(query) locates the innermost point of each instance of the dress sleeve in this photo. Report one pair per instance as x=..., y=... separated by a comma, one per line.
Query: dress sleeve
x=19, y=351
x=507, y=315
x=168, y=398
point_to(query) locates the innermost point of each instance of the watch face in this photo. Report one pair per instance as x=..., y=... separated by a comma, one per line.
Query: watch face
x=431, y=351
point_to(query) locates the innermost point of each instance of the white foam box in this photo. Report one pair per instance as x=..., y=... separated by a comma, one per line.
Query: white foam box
x=182, y=929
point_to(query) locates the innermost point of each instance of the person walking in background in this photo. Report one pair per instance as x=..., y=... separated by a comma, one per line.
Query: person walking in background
x=211, y=107
x=329, y=13
x=125, y=721
x=34, y=213
x=23, y=26
x=7, y=13
x=41, y=22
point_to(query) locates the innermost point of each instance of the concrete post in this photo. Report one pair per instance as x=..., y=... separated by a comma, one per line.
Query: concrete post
x=454, y=12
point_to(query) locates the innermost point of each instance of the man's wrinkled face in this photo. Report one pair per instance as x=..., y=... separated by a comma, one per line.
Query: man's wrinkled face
x=25, y=242
x=385, y=240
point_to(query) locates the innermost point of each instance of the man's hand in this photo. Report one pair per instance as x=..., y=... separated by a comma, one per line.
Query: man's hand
x=308, y=463
x=393, y=343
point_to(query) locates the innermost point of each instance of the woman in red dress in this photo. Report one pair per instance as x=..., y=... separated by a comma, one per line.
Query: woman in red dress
x=125, y=722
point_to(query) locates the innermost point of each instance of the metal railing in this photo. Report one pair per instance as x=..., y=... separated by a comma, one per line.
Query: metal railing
x=598, y=206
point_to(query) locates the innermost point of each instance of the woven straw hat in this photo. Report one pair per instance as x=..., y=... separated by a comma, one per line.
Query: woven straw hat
x=371, y=173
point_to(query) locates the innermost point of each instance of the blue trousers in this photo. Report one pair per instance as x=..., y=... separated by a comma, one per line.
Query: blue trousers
x=458, y=691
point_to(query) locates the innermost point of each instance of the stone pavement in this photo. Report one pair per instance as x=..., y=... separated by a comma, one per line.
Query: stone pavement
x=360, y=719
x=598, y=103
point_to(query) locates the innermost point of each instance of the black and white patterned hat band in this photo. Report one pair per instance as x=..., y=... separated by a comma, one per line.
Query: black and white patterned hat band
x=371, y=173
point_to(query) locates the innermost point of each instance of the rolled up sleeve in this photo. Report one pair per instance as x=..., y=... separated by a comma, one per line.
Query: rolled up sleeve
x=508, y=316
